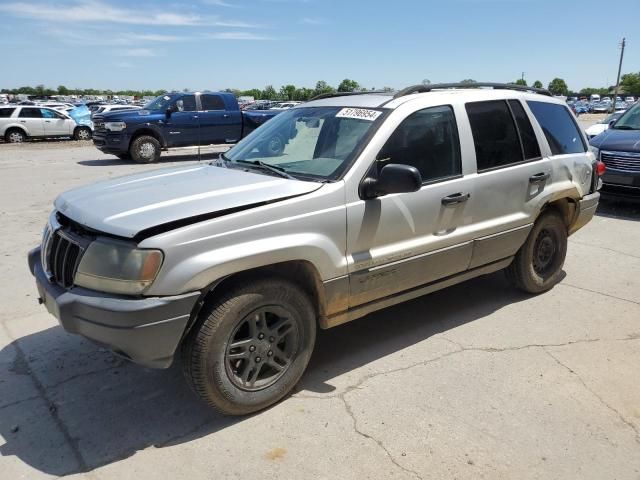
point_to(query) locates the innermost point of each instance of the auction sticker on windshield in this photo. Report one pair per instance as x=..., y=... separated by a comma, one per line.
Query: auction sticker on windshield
x=359, y=113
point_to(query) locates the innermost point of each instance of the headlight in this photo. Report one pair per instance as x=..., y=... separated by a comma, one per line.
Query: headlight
x=117, y=267
x=115, y=126
x=595, y=151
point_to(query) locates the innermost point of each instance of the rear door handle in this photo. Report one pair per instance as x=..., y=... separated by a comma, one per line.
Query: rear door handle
x=226, y=115
x=455, y=198
x=47, y=121
x=23, y=121
x=539, y=177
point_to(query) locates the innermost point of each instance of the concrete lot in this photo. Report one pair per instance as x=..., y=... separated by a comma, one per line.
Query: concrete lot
x=477, y=381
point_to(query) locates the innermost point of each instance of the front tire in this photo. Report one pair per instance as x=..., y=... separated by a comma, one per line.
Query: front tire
x=82, y=133
x=145, y=149
x=537, y=267
x=251, y=346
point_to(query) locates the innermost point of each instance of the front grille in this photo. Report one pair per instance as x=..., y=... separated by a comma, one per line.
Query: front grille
x=62, y=256
x=625, y=161
x=98, y=125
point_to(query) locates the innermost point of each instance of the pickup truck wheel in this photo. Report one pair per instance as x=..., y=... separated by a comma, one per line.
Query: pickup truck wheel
x=145, y=149
x=273, y=147
x=82, y=133
x=537, y=267
x=251, y=346
x=15, y=135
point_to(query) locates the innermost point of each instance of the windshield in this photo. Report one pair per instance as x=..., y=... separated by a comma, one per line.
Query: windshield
x=630, y=120
x=309, y=142
x=159, y=103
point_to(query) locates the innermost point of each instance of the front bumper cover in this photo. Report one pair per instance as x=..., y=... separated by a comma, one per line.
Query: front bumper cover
x=145, y=330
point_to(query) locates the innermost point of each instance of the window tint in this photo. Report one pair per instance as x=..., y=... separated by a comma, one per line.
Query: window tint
x=6, y=112
x=559, y=127
x=186, y=103
x=427, y=140
x=30, y=113
x=212, y=102
x=530, y=145
x=494, y=134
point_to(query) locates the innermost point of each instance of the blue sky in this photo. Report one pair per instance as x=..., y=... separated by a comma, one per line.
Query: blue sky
x=216, y=44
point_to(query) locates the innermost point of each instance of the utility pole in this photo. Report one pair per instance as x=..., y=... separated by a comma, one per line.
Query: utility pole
x=615, y=96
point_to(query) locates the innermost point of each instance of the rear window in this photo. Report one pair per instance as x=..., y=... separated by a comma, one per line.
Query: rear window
x=6, y=112
x=559, y=127
x=211, y=102
x=530, y=146
x=30, y=113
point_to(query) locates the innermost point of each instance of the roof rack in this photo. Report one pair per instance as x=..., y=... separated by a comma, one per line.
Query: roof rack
x=344, y=94
x=443, y=86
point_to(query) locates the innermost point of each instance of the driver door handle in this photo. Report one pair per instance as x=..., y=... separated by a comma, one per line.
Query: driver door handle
x=539, y=177
x=455, y=198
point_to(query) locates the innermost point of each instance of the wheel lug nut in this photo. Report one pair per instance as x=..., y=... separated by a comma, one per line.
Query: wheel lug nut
x=252, y=348
x=269, y=353
x=272, y=339
x=258, y=359
x=261, y=336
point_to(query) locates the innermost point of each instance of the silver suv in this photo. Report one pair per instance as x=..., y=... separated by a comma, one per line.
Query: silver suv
x=375, y=199
x=17, y=123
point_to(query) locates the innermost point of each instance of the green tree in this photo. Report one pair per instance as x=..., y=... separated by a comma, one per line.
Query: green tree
x=521, y=81
x=631, y=83
x=558, y=86
x=537, y=84
x=62, y=90
x=348, y=85
x=269, y=93
x=323, y=87
x=287, y=92
x=468, y=81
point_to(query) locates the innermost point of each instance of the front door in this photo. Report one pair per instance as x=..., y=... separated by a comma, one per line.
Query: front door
x=401, y=241
x=31, y=118
x=182, y=127
x=55, y=124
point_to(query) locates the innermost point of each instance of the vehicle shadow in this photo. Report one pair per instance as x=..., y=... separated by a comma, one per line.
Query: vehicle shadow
x=89, y=409
x=625, y=209
x=163, y=159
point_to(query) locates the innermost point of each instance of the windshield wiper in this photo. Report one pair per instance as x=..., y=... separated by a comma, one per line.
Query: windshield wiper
x=624, y=127
x=266, y=166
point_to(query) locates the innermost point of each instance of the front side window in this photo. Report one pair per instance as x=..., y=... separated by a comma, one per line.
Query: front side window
x=559, y=127
x=427, y=140
x=186, y=103
x=211, y=102
x=46, y=113
x=630, y=120
x=315, y=142
x=30, y=113
x=495, y=137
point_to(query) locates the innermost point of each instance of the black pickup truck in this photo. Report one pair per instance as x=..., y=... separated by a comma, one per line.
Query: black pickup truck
x=178, y=120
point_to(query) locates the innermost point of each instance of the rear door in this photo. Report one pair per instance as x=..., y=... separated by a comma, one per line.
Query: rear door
x=31, y=118
x=182, y=127
x=55, y=124
x=512, y=176
x=218, y=124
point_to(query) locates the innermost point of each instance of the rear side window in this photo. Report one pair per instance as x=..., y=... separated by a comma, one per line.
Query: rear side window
x=212, y=102
x=30, y=113
x=530, y=146
x=427, y=140
x=495, y=136
x=6, y=112
x=559, y=127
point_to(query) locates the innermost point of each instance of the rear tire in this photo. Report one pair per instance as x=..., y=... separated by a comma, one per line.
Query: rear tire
x=145, y=149
x=82, y=133
x=15, y=135
x=537, y=267
x=251, y=346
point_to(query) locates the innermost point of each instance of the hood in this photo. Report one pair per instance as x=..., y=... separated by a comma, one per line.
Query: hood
x=618, y=140
x=131, y=115
x=129, y=205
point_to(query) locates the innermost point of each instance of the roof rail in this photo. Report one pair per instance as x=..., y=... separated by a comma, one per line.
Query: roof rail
x=443, y=86
x=345, y=94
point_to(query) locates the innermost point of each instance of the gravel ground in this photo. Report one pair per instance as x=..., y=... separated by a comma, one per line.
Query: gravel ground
x=476, y=381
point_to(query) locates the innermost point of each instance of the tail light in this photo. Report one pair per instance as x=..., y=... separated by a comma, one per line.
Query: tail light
x=600, y=168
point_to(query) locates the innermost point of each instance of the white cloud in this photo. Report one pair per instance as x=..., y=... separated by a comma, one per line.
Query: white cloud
x=137, y=52
x=220, y=3
x=97, y=11
x=110, y=38
x=237, y=36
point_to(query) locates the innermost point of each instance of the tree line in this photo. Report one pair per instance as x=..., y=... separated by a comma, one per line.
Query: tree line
x=630, y=84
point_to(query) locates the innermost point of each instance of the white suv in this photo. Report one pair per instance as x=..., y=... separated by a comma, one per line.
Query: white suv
x=17, y=123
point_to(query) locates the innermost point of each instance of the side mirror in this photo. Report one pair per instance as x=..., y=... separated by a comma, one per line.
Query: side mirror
x=612, y=123
x=393, y=178
x=169, y=111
